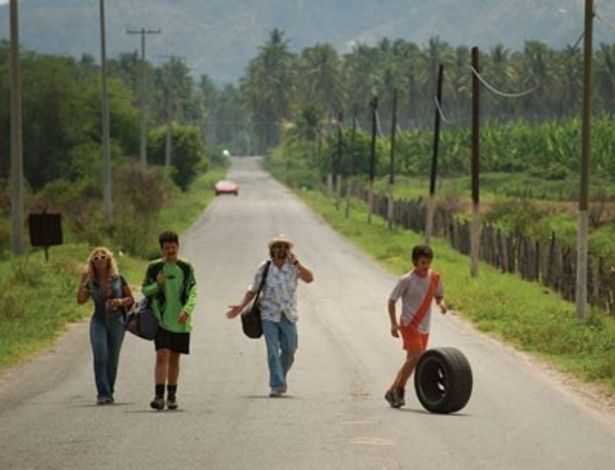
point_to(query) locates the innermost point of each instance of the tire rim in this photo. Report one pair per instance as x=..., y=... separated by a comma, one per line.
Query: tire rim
x=435, y=381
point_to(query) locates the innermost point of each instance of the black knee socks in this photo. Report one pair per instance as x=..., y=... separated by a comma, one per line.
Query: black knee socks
x=171, y=390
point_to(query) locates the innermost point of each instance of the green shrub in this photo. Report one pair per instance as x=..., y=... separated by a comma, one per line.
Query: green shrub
x=515, y=216
x=188, y=157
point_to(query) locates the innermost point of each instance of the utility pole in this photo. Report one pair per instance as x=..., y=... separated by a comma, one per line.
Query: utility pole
x=581, y=284
x=353, y=168
x=143, y=98
x=391, y=201
x=168, y=144
x=170, y=110
x=106, y=147
x=318, y=153
x=475, y=166
x=17, y=173
x=372, y=160
x=434, y=160
x=331, y=163
x=338, y=162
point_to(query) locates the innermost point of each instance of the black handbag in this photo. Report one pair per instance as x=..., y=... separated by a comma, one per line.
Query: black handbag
x=251, y=316
x=141, y=320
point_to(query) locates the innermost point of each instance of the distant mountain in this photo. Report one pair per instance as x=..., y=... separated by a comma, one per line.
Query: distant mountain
x=219, y=37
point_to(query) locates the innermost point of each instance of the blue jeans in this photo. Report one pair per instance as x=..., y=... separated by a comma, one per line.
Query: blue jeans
x=281, y=340
x=106, y=336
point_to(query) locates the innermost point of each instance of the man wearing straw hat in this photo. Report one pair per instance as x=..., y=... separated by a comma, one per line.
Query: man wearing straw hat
x=278, y=302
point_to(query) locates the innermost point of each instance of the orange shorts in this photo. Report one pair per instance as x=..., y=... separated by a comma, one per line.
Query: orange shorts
x=414, y=340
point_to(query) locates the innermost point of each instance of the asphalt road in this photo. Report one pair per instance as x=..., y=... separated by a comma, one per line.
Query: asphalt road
x=335, y=417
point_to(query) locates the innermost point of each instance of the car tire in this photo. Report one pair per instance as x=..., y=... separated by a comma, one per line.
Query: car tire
x=443, y=380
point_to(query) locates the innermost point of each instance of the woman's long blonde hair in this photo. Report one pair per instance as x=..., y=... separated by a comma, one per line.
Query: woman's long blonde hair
x=112, y=268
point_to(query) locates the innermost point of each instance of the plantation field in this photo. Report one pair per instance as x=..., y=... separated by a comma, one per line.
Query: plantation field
x=538, y=214
x=499, y=184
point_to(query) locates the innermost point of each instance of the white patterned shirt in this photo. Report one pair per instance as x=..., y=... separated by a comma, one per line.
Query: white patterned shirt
x=279, y=294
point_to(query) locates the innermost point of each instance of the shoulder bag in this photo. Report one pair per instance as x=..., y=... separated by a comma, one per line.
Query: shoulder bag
x=251, y=316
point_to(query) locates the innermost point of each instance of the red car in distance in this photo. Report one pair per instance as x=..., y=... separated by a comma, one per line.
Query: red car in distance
x=226, y=187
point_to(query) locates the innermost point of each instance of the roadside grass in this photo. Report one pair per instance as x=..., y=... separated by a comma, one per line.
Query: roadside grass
x=38, y=298
x=524, y=314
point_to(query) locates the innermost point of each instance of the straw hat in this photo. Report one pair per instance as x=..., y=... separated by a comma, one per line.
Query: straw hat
x=281, y=238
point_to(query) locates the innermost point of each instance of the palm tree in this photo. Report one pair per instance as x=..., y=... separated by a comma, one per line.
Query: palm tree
x=269, y=86
x=457, y=86
x=605, y=75
x=571, y=70
x=536, y=69
x=361, y=75
x=437, y=52
x=321, y=79
x=498, y=70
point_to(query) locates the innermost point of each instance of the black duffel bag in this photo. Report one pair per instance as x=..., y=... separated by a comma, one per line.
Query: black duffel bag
x=251, y=316
x=141, y=320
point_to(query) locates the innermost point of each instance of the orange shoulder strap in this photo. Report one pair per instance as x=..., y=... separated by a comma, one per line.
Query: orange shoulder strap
x=426, y=304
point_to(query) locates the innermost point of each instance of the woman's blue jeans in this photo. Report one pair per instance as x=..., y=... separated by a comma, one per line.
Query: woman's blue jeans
x=281, y=340
x=106, y=336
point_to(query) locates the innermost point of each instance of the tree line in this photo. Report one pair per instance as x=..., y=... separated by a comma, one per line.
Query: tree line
x=62, y=115
x=310, y=88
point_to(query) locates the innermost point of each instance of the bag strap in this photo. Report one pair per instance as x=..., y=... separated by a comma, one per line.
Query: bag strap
x=426, y=303
x=260, y=288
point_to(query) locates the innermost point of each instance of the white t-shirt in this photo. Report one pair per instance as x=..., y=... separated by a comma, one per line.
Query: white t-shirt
x=412, y=289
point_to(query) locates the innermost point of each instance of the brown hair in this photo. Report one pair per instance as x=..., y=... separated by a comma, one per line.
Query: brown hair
x=168, y=237
x=421, y=251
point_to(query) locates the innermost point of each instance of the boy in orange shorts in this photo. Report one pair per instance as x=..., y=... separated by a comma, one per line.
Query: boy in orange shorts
x=417, y=290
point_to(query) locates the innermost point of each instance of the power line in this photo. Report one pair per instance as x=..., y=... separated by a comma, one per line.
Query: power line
x=378, y=126
x=503, y=94
x=440, y=112
x=576, y=44
x=606, y=22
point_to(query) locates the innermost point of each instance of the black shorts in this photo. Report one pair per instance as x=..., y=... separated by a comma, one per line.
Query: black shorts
x=178, y=342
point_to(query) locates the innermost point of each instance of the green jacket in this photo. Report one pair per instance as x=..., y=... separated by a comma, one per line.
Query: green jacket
x=177, y=294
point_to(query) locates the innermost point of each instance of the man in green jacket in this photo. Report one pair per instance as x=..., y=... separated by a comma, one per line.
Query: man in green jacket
x=171, y=287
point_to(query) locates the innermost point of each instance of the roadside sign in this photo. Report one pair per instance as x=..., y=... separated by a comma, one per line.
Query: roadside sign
x=45, y=230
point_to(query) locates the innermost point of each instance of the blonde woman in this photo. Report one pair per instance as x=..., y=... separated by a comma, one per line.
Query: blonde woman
x=111, y=295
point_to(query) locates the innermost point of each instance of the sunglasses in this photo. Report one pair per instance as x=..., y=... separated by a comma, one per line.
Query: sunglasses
x=99, y=257
x=280, y=246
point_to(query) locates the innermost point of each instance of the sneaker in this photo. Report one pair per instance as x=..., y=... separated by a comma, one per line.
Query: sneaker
x=103, y=400
x=157, y=403
x=275, y=394
x=398, y=396
x=172, y=403
x=390, y=397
